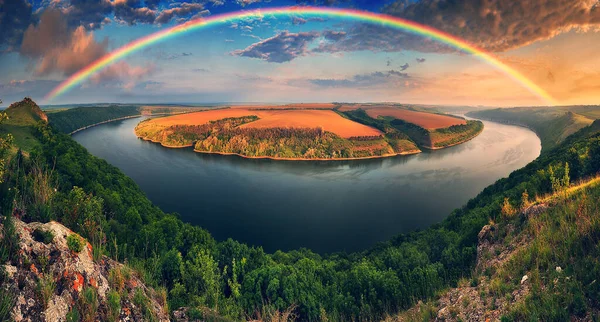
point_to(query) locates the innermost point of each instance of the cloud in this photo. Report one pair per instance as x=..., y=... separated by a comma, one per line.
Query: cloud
x=244, y=3
x=15, y=17
x=56, y=48
x=375, y=38
x=183, y=10
x=362, y=80
x=131, y=12
x=421, y=60
x=200, y=70
x=123, y=72
x=298, y=21
x=280, y=48
x=91, y=14
x=404, y=67
x=500, y=25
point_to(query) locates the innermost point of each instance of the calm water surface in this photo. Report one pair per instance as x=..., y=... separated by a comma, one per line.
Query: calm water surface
x=325, y=206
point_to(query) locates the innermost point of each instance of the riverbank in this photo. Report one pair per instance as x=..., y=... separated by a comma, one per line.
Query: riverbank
x=457, y=143
x=409, y=152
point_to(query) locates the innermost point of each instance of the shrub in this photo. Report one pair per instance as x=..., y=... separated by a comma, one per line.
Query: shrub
x=88, y=304
x=143, y=302
x=116, y=279
x=113, y=305
x=43, y=236
x=73, y=315
x=75, y=243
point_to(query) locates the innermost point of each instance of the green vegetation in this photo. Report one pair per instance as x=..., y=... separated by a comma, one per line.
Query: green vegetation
x=44, y=236
x=87, y=304
x=73, y=119
x=225, y=136
x=237, y=281
x=15, y=124
x=45, y=288
x=552, y=124
x=75, y=243
x=113, y=305
x=408, y=132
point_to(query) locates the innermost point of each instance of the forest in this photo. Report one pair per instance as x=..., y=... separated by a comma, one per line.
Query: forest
x=76, y=118
x=61, y=181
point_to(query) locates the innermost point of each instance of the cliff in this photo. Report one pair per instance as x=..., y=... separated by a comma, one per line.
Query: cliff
x=50, y=282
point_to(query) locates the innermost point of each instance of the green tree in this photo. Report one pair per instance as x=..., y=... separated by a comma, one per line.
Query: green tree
x=5, y=143
x=202, y=277
x=171, y=265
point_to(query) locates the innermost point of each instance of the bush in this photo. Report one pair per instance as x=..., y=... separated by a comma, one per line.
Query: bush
x=43, y=236
x=88, y=304
x=116, y=279
x=113, y=305
x=75, y=243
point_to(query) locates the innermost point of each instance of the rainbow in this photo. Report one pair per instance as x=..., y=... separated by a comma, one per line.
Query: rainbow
x=347, y=14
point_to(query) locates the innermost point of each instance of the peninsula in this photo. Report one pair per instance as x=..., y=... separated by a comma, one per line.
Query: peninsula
x=310, y=131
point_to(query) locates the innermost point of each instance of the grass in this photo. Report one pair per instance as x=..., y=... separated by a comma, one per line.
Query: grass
x=23, y=137
x=113, y=305
x=143, y=302
x=88, y=304
x=45, y=288
x=7, y=302
x=567, y=235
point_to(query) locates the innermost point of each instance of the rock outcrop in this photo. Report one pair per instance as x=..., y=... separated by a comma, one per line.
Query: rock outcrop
x=50, y=282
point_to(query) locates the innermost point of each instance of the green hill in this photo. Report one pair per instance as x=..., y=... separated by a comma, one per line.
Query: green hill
x=22, y=119
x=552, y=124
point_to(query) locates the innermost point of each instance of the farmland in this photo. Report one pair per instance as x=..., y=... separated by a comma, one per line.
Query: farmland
x=427, y=121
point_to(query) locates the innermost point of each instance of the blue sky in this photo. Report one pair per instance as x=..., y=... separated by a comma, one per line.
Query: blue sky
x=296, y=59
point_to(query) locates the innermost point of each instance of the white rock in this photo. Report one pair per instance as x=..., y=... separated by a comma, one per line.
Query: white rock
x=524, y=279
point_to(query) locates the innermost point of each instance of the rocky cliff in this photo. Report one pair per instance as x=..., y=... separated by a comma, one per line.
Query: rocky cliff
x=49, y=281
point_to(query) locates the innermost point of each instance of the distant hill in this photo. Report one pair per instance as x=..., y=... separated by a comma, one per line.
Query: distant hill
x=78, y=118
x=552, y=124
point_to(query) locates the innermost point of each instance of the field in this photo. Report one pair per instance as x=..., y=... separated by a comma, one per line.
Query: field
x=296, y=106
x=427, y=121
x=327, y=120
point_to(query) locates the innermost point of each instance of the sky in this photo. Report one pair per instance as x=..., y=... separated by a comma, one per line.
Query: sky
x=555, y=43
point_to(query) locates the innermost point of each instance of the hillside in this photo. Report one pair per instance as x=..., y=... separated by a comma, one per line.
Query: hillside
x=552, y=124
x=538, y=261
x=451, y=130
x=77, y=118
x=22, y=118
x=64, y=183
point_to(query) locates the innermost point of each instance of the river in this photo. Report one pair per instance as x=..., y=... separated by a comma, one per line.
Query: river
x=326, y=206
